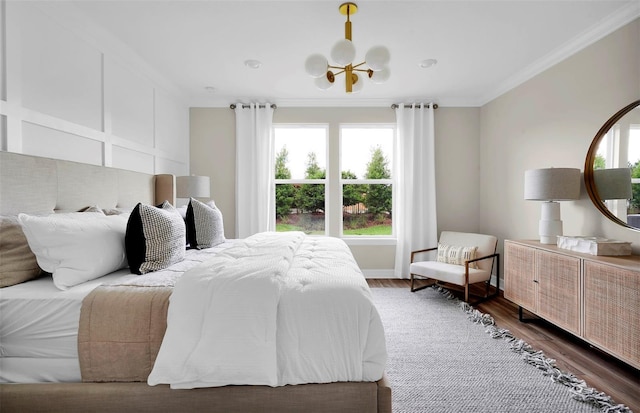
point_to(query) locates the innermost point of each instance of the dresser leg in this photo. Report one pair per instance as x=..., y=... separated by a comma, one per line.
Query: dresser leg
x=521, y=316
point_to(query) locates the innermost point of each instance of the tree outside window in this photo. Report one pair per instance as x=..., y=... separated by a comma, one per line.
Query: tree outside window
x=365, y=179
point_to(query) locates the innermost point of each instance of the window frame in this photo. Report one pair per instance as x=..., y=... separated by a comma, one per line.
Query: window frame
x=367, y=239
x=301, y=181
x=333, y=182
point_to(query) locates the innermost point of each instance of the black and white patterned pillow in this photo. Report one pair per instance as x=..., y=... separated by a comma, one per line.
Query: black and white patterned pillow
x=155, y=238
x=205, y=226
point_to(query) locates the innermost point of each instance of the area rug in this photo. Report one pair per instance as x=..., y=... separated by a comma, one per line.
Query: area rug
x=445, y=356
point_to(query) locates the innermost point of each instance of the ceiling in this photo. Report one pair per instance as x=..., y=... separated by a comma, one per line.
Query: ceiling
x=483, y=48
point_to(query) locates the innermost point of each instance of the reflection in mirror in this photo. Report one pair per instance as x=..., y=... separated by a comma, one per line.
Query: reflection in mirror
x=613, y=179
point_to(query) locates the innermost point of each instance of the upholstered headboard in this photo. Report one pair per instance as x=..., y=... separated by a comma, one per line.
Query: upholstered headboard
x=35, y=184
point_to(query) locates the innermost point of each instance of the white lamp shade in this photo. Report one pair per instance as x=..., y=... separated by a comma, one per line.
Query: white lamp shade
x=193, y=186
x=322, y=83
x=552, y=184
x=381, y=76
x=377, y=57
x=613, y=183
x=343, y=52
x=316, y=65
x=357, y=87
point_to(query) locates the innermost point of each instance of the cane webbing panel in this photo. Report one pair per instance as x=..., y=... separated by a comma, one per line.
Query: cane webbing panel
x=558, y=279
x=519, y=275
x=611, y=301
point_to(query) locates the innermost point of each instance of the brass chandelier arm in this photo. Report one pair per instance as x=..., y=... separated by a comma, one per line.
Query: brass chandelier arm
x=353, y=68
x=351, y=77
x=343, y=67
x=343, y=52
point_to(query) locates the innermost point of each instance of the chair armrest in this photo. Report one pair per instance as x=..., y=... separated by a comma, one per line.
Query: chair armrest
x=483, y=258
x=413, y=253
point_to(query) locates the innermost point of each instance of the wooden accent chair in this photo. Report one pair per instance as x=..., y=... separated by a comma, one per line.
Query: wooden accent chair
x=463, y=259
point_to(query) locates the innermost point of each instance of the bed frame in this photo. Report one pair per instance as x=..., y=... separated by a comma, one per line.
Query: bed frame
x=34, y=184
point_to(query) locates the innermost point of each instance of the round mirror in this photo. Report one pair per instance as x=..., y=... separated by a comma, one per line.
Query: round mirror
x=612, y=167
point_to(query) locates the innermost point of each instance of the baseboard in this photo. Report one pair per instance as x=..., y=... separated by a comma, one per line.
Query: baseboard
x=375, y=274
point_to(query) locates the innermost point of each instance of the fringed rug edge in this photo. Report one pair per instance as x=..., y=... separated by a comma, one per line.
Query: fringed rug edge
x=579, y=388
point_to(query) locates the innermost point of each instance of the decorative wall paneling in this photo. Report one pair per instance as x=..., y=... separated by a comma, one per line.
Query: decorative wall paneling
x=70, y=91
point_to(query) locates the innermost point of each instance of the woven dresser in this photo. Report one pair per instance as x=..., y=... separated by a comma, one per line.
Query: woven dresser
x=594, y=297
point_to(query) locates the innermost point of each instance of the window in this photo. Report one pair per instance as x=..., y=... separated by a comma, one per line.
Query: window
x=634, y=164
x=300, y=177
x=366, y=154
x=610, y=155
x=349, y=195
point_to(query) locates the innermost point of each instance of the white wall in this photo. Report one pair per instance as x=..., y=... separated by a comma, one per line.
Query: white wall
x=550, y=121
x=71, y=92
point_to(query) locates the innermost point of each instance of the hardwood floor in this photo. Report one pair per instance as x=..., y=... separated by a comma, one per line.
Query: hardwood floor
x=599, y=370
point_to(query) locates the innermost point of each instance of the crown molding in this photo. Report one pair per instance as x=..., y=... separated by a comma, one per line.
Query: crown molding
x=334, y=103
x=615, y=21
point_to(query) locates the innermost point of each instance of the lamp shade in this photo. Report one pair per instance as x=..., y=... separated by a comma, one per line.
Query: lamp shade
x=613, y=183
x=192, y=186
x=343, y=52
x=316, y=65
x=552, y=184
x=358, y=85
x=322, y=83
x=377, y=57
x=381, y=75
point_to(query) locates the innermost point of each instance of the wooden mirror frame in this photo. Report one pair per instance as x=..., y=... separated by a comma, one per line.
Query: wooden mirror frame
x=589, y=181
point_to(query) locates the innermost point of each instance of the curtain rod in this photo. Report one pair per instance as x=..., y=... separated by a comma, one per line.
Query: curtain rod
x=233, y=106
x=396, y=105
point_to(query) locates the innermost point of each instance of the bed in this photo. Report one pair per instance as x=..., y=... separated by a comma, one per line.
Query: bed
x=60, y=380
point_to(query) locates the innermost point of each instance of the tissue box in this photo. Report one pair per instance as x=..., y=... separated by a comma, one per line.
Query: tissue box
x=594, y=245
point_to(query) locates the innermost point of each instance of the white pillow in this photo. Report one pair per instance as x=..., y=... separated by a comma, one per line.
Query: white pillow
x=76, y=247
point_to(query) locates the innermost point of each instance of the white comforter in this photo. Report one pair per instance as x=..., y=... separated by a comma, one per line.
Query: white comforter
x=275, y=309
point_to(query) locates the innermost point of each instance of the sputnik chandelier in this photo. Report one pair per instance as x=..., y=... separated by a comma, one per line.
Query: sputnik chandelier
x=343, y=53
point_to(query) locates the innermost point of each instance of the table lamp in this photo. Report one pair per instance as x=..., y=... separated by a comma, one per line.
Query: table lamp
x=551, y=185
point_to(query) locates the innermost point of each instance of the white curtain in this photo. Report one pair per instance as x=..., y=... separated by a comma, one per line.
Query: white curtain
x=414, y=210
x=255, y=190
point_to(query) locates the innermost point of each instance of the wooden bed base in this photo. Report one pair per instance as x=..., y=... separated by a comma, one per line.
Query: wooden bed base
x=141, y=398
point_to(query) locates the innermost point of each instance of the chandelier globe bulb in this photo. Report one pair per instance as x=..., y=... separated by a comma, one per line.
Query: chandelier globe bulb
x=343, y=52
x=358, y=84
x=322, y=82
x=316, y=65
x=381, y=76
x=377, y=57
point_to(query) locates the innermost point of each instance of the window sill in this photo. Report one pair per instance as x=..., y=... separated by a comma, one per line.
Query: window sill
x=369, y=240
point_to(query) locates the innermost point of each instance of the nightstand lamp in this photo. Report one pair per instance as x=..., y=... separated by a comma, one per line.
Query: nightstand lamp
x=551, y=185
x=193, y=186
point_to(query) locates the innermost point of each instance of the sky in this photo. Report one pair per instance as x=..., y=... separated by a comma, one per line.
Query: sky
x=357, y=145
